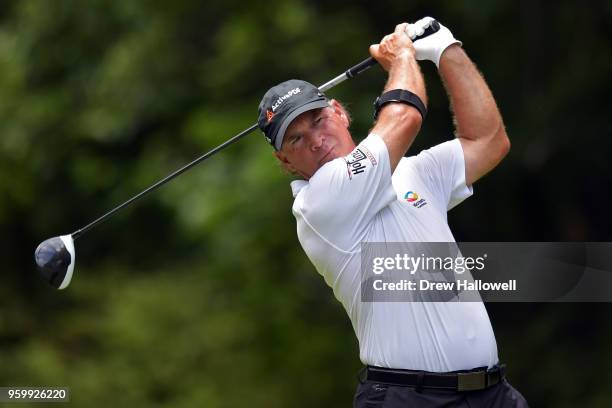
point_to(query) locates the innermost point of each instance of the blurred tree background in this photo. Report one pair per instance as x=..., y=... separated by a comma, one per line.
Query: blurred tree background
x=200, y=295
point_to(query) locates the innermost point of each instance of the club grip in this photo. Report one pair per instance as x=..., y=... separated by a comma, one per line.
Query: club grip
x=369, y=62
x=433, y=27
x=359, y=68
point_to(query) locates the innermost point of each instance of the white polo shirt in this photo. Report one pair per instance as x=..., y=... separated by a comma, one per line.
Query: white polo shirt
x=356, y=199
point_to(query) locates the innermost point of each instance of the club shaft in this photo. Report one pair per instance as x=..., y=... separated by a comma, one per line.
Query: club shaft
x=323, y=88
x=163, y=181
x=350, y=73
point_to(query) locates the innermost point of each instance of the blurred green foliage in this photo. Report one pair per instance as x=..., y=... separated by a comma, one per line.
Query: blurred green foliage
x=201, y=294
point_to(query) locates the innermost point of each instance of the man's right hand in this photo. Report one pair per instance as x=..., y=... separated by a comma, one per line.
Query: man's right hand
x=393, y=47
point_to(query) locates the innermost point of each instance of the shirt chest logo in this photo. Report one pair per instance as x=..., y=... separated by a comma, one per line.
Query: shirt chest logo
x=355, y=162
x=413, y=198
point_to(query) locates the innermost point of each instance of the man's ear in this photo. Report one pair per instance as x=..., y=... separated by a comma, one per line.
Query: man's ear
x=340, y=111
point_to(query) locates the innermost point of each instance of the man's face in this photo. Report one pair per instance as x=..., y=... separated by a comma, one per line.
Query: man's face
x=315, y=138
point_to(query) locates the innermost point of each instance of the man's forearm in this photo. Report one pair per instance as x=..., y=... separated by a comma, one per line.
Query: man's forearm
x=407, y=75
x=479, y=124
x=476, y=113
x=398, y=123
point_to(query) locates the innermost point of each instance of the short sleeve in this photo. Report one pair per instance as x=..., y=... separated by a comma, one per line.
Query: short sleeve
x=344, y=195
x=442, y=168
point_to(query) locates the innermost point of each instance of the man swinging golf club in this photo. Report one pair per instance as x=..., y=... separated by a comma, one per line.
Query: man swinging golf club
x=55, y=257
x=424, y=354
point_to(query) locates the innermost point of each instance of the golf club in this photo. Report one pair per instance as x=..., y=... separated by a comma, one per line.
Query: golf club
x=55, y=257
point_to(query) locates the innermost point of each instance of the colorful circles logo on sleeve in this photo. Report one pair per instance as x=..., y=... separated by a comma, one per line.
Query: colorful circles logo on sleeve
x=413, y=198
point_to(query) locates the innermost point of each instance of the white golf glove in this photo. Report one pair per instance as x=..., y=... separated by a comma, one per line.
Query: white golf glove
x=431, y=47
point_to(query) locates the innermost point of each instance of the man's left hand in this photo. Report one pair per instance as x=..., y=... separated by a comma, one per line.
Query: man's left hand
x=431, y=47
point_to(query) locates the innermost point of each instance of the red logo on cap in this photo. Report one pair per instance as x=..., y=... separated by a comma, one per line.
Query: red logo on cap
x=269, y=115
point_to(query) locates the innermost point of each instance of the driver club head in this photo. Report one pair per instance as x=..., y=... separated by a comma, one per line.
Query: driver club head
x=55, y=259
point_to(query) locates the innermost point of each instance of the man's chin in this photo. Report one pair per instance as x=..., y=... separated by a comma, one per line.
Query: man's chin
x=329, y=156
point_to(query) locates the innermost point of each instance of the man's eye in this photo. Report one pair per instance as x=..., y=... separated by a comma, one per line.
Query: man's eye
x=320, y=119
x=295, y=138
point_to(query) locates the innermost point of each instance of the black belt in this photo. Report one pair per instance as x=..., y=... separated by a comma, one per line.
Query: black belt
x=477, y=379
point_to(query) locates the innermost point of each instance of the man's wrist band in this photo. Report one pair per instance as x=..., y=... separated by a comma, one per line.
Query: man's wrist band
x=402, y=96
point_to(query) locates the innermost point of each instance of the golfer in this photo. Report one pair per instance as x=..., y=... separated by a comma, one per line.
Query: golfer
x=417, y=354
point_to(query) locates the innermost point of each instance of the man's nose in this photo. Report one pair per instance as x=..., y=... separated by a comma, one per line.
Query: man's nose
x=315, y=140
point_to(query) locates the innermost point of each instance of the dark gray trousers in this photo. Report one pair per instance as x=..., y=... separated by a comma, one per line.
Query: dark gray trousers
x=371, y=394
